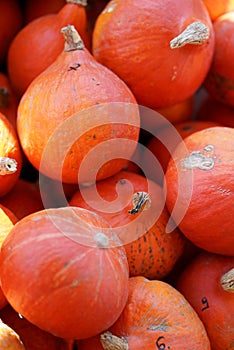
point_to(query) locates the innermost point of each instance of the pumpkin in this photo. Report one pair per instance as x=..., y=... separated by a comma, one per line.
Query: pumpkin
x=10, y=156
x=219, y=81
x=11, y=21
x=134, y=207
x=39, y=43
x=162, y=49
x=208, y=286
x=218, y=7
x=33, y=337
x=163, y=143
x=199, y=185
x=9, y=339
x=33, y=9
x=8, y=100
x=75, y=107
x=213, y=110
x=65, y=272
x=23, y=199
x=156, y=316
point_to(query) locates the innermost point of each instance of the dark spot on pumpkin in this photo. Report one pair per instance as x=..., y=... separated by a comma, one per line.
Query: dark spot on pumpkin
x=186, y=128
x=122, y=182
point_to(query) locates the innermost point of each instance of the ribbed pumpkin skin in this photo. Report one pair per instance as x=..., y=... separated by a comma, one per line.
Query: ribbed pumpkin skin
x=205, y=193
x=154, y=310
x=61, y=92
x=201, y=286
x=133, y=40
x=151, y=251
x=56, y=275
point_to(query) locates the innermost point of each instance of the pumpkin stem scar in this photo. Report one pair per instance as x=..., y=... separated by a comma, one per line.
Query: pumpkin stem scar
x=196, y=33
x=111, y=342
x=7, y=166
x=4, y=97
x=227, y=281
x=140, y=201
x=73, y=40
x=78, y=2
x=101, y=240
x=204, y=160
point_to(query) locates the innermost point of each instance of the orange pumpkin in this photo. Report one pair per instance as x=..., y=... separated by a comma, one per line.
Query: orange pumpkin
x=205, y=284
x=11, y=20
x=75, y=107
x=8, y=100
x=35, y=9
x=163, y=143
x=151, y=252
x=10, y=156
x=156, y=316
x=218, y=7
x=64, y=271
x=9, y=339
x=39, y=43
x=150, y=47
x=220, y=79
x=33, y=337
x=199, y=185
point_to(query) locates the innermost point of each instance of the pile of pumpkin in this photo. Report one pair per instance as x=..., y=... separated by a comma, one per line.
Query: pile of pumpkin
x=116, y=174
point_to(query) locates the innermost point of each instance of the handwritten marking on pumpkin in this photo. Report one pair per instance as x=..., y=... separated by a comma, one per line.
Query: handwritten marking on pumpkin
x=77, y=65
x=161, y=346
x=204, y=160
x=205, y=303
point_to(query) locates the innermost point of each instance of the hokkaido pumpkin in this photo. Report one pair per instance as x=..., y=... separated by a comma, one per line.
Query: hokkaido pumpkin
x=207, y=283
x=10, y=156
x=156, y=316
x=9, y=339
x=75, y=107
x=8, y=100
x=199, y=183
x=64, y=271
x=219, y=81
x=33, y=337
x=39, y=43
x=151, y=252
x=35, y=9
x=161, y=49
x=218, y=7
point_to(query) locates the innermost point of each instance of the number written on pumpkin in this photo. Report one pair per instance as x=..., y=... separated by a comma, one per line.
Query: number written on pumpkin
x=205, y=303
x=160, y=344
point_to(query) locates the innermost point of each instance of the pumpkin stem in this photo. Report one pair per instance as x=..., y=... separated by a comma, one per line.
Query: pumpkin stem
x=140, y=201
x=196, y=33
x=101, y=240
x=227, y=281
x=7, y=165
x=203, y=160
x=4, y=97
x=111, y=342
x=78, y=2
x=72, y=39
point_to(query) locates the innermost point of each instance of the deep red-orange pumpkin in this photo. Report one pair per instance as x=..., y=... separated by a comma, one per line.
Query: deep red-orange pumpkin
x=8, y=100
x=39, y=43
x=218, y=7
x=139, y=42
x=204, y=283
x=63, y=271
x=200, y=178
x=157, y=317
x=35, y=9
x=77, y=105
x=9, y=339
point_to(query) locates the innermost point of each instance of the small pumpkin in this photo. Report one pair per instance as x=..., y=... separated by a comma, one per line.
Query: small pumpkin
x=156, y=316
x=75, y=106
x=134, y=207
x=199, y=184
x=9, y=339
x=39, y=43
x=162, y=49
x=10, y=156
x=78, y=272
x=207, y=283
x=219, y=81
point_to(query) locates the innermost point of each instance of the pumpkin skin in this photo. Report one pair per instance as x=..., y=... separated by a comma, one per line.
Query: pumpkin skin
x=32, y=337
x=8, y=100
x=72, y=92
x=9, y=339
x=218, y=7
x=9, y=148
x=80, y=286
x=150, y=250
x=169, y=321
x=203, y=183
x=220, y=78
x=200, y=284
x=38, y=44
x=33, y=10
x=133, y=40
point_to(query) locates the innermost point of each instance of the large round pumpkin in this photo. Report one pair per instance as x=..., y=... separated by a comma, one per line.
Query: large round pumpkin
x=60, y=271
x=146, y=45
x=199, y=182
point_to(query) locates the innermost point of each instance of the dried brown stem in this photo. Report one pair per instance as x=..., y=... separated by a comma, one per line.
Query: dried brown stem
x=196, y=33
x=227, y=281
x=140, y=201
x=7, y=166
x=78, y=2
x=111, y=342
x=72, y=39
